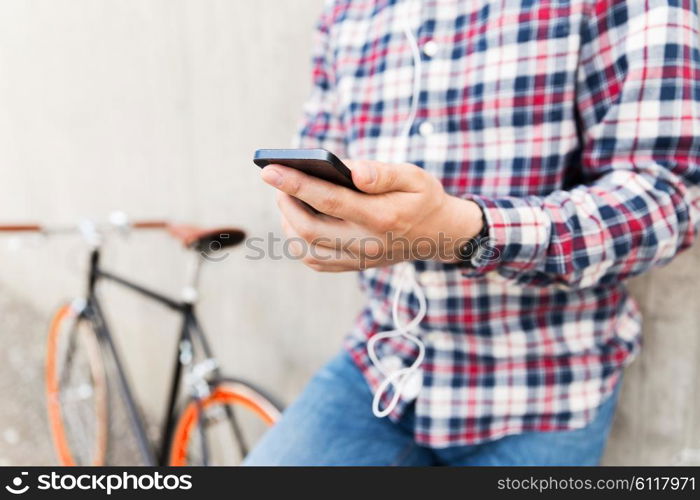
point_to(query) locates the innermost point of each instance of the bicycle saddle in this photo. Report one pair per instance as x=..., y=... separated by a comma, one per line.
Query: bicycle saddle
x=206, y=240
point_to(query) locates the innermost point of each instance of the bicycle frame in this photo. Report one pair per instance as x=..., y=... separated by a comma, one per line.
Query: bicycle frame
x=190, y=333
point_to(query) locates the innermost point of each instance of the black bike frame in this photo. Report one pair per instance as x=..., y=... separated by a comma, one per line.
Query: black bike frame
x=190, y=332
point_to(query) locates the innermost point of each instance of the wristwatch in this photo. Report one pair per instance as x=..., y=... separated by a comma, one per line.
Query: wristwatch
x=470, y=249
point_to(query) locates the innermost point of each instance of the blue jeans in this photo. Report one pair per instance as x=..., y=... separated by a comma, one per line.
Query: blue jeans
x=332, y=424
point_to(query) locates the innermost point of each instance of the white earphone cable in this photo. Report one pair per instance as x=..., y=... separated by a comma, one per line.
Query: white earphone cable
x=417, y=74
x=401, y=377
x=398, y=378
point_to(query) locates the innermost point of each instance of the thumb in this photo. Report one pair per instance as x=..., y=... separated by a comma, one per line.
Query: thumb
x=375, y=177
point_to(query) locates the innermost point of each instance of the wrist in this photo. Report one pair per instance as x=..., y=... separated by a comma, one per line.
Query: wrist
x=463, y=222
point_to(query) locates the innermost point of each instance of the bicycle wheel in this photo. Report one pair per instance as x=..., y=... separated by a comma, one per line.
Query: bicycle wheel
x=76, y=390
x=221, y=428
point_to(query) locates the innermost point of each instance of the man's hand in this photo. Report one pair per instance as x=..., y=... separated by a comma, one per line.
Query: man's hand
x=402, y=214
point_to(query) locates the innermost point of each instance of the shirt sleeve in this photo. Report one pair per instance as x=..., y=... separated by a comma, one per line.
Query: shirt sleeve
x=320, y=125
x=638, y=97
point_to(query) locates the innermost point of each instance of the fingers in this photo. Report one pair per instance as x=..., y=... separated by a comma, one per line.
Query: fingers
x=317, y=257
x=324, y=196
x=315, y=228
x=322, y=230
x=375, y=177
x=370, y=176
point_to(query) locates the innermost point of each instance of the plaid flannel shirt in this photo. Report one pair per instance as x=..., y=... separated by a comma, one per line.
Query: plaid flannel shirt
x=575, y=124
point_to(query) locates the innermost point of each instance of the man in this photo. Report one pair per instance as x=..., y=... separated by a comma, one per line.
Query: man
x=560, y=137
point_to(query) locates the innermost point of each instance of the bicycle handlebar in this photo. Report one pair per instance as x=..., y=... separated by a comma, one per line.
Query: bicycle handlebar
x=20, y=227
x=190, y=236
x=37, y=228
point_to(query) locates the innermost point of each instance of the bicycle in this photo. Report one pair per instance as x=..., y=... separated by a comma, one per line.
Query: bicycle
x=82, y=363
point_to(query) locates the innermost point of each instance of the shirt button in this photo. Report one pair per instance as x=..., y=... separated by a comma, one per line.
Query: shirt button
x=426, y=128
x=431, y=48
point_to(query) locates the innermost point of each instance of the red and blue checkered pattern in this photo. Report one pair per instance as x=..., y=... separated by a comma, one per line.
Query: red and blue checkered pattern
x=576, y=126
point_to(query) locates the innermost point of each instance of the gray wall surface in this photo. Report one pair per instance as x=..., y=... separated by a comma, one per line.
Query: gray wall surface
x=154, y=107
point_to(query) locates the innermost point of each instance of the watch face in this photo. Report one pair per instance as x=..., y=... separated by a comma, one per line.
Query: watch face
x=469, y=249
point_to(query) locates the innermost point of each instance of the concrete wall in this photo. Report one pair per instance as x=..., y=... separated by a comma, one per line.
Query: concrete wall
x=155, y=107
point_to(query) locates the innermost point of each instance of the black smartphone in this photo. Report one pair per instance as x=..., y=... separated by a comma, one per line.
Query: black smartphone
x=317, y=162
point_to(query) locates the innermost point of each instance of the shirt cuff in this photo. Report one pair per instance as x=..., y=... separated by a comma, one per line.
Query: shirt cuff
x=518, y=235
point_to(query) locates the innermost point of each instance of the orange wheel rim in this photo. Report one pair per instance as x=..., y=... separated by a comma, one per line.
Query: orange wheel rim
x=58, y=431
x=220, y=395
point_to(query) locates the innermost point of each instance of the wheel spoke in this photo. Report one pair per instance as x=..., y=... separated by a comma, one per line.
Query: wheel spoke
x=202, y=428
x=237, y=432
